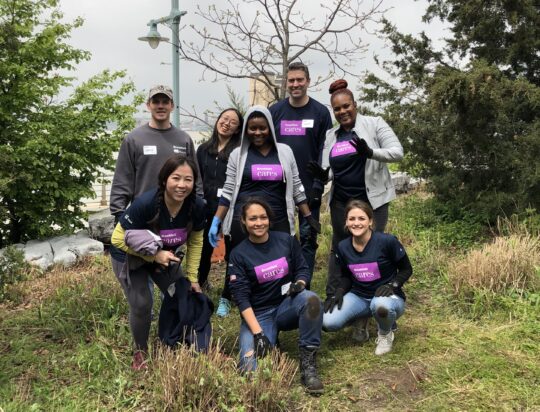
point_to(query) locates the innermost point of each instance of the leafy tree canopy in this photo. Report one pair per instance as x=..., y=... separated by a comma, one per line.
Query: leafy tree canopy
x=468, y=113
x=51, y=151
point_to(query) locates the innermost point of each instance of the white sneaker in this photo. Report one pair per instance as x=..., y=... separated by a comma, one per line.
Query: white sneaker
x=359, y=330
x=384, y=343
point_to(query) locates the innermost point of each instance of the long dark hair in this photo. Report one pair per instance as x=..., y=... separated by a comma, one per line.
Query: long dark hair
x=212, y=145
x=170, y=165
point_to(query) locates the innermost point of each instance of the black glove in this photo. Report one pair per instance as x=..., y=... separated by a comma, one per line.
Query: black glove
x=262, y=345
x=361, y=147
x=315, y=170
x=384, y=290
x=315, y=226
x=332, y=301
x=314, y=200
x=296, y=288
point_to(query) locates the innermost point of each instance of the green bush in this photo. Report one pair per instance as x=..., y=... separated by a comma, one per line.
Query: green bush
x=13, y=269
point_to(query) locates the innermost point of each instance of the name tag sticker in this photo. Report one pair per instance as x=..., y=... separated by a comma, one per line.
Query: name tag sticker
x=307, y=123
x=219, y=191
x=149, y=150
x=285, y=288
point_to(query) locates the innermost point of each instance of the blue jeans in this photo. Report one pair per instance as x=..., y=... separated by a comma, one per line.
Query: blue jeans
x=385, y=310
x=292, y=313
x=308, y=239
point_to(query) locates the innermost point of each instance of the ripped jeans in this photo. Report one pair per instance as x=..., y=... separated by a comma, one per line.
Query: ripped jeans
x=303, y=312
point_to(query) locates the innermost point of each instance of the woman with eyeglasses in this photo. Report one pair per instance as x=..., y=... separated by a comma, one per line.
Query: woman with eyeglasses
x=213, y=157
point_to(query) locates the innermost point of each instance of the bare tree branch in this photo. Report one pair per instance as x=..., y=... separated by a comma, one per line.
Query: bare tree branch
x=258, y=39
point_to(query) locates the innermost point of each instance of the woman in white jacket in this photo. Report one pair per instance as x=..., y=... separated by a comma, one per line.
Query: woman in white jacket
x=263, y=168
x=355, y=157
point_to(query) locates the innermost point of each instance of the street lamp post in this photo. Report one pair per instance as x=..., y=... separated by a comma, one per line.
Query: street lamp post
x=153, y=38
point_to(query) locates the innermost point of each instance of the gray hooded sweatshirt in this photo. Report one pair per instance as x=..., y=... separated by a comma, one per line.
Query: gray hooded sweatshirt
x=294, y=191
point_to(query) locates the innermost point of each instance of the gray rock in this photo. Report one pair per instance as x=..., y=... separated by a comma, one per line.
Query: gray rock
x=68, y=249
x=403, y=183
x=101, y=226
x=61, y=250
x=39, y=253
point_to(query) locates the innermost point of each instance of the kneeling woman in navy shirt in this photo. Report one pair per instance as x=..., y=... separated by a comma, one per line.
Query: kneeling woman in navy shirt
x=374, y=267
x=268, y=277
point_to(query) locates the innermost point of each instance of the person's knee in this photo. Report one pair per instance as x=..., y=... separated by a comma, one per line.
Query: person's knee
x=331, y=323
x=381, y=308
x=382, y=312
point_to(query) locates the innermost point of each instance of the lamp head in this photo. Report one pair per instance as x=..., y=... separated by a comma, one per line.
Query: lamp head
x=153, y=37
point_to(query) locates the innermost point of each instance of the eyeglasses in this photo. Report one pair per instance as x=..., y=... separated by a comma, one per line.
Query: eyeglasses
x=228, y=120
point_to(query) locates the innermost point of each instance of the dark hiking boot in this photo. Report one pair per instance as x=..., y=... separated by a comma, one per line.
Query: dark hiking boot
x=308, y=368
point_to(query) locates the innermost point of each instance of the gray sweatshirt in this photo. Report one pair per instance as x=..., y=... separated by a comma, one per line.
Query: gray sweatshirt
x=142, y=154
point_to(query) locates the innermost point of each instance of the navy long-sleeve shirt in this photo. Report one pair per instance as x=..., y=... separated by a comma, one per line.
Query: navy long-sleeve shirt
x=260, y=272
x=304, y=130
x=376, y=265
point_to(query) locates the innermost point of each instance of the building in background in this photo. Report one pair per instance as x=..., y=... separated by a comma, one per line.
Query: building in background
x=259, y=93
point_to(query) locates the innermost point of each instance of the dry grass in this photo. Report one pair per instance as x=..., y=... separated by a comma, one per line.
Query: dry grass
x=509, y=263
x=186, y=380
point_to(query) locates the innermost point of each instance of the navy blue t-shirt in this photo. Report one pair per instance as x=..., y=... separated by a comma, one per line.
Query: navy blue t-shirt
x=172, y=231
x=263, y=177
x=304, y=130
x=259, y=271
x=348, y=169
x=374, y=266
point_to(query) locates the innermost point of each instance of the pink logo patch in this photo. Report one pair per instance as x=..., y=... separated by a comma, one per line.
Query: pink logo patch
x=270, y=271
x=266, y=172
x=291, y=128
x=342, y=148
x=173, y=237
x=365, y=272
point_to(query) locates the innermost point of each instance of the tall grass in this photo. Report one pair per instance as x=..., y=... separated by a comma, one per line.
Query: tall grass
x=185, y=380
x=508, y=267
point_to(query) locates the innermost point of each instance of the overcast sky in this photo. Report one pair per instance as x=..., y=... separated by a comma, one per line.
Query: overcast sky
x=111, y=29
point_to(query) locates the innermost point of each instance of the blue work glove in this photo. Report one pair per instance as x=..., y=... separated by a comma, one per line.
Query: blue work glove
x=214, y=231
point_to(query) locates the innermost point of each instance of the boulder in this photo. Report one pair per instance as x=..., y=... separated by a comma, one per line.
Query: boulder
x=101, y=226
x=62, y=250
x=39, y=253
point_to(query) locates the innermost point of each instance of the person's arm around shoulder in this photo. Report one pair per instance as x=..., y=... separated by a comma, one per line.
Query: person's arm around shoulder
x=390, y=149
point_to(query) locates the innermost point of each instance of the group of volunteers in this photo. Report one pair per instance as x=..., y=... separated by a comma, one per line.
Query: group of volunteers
x=247, y=183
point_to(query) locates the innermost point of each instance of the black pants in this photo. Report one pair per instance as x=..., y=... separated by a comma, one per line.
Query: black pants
x=237, y=235
x=337, y=215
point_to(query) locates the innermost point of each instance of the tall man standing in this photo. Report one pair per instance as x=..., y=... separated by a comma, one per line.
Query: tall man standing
x=301, y=122
x=145, y=150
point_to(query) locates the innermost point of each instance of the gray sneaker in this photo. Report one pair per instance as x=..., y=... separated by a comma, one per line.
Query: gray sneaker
x=360, y=332
x=384, y=343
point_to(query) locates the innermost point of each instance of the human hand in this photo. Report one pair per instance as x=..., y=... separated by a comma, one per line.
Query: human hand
x=164, y=257
x=314, y=200
x=313, y=223
x=316, y=170
x=262, y=345
x=361, y=147
x=195, y=287
x=296, y=288
x=384, y=290
x=214, y=231
x=331, y=302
